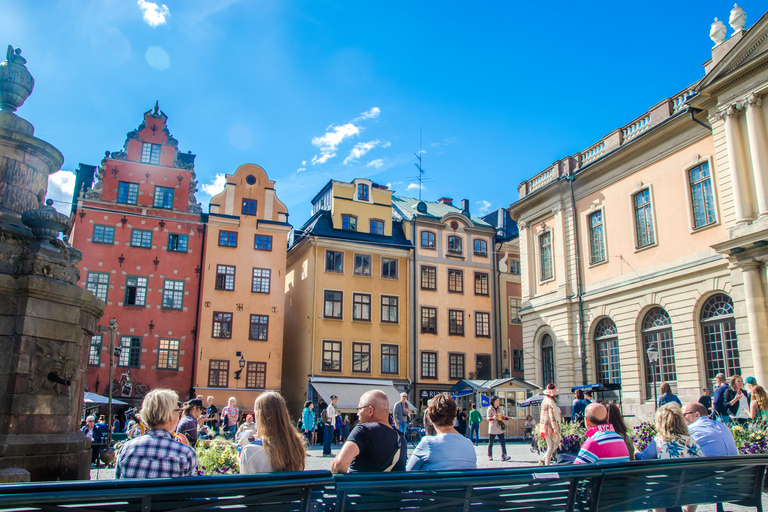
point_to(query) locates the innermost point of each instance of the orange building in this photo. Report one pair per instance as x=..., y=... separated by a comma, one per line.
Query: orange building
x=240, y=326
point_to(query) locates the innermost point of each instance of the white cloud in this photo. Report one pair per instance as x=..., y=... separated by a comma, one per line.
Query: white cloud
x=445, y=142
x=303, y=162
x=378, y=163
x=61, y=187
x=371, y=114
x=386, y=144
x=219, y=181
x=154, y=14
x=301, y=169
x=483, y=207
x=329, y=143
x=360, y=149
x=414, y=186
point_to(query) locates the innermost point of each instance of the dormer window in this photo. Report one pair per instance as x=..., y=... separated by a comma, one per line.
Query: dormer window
x=150, y=153
x=454, y=244
x=349, y=222
x=362, y=192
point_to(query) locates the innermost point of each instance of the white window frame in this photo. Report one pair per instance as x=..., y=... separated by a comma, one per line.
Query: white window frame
x=689, y=199
x=539, y=236
x=654, y=224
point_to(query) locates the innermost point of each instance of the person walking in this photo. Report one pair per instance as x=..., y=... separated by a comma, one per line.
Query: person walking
x=463, y=416
x=229, y=416
x=667, y=396
x=496, y=428
x=579, y=406
x=550, y=423
x=719, y=407
x=329, y=421
x=308, y=421
x=475, y=418
x=401, y=413
x=94, y=434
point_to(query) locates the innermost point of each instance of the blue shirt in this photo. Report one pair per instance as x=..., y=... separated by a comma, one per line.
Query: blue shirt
x=667, y=398
x=713, y=437
x=443, y=451
x=719, y=400
x=579, y=406
x=156, y=454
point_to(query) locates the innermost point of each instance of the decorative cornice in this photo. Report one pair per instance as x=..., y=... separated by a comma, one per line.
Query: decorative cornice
x=739, y=78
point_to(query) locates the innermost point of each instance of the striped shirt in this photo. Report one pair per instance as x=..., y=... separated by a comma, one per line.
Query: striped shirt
x=603, y=444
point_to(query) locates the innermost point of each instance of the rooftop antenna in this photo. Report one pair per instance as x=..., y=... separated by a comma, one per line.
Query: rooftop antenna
x=418, y=165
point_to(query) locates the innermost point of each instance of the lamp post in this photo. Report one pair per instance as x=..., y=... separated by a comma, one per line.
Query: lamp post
x=108, y=455
x=242, y=365
x=653, y=358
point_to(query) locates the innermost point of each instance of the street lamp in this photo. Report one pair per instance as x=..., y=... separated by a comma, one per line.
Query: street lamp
x=242, y=365
x=653, y=358
x=108, y=456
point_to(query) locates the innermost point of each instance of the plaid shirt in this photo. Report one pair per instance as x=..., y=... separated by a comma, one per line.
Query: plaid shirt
x=156, y=454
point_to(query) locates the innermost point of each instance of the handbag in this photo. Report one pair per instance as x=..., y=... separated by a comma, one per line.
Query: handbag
x=502, y=425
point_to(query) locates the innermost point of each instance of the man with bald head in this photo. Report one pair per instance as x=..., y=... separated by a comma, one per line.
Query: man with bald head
x=374, y=445
x=602, y=444
x=713, y=437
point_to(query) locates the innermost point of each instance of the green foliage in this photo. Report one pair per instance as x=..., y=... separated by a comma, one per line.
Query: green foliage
x=216, y=457
x=643, y=434
x=572, y=435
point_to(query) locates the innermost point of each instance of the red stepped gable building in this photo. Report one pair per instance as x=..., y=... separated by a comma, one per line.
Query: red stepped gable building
x=139, y=227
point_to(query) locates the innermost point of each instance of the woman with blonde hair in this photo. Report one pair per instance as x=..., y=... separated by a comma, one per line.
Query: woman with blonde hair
x=758, y=408
x=736, y=399
x=672, y=441
x=278, y=446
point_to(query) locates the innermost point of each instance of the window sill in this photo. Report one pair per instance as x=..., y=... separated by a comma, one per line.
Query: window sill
x=384, y=322
x=429, y=289
x=480, y=255
x=429, y=332
x=455, y=292
x=597, y=264
x=392, y=278
x=457, y=335
x=333, y=317
x=546, y=281
x=646, y=247
x=134, y=305
x=365, y=372
x=361, y=320
x=482, y=294
x=428, y=248
x=457, y=256
x=704, y=228
x=334, y=271
x=362, y=275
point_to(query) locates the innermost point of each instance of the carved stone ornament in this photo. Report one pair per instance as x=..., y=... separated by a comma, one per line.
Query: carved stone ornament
x=46, y=359
x=557, y=209
x=118, y=155
x=738, y=18
x=522, y=225
x=717, y=32
x=16, y=83
x=95, y=192
x=753, y=100
x=732, y=110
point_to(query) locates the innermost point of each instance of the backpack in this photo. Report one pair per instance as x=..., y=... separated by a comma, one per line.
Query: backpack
x=324, y=416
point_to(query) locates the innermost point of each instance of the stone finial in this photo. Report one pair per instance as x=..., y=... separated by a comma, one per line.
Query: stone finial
x=717, y=32
x=16, y=83
x=738, y=18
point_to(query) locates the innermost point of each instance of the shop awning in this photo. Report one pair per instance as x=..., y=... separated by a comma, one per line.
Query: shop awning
x=350, y=390
x=94, y=399
x=493, y=384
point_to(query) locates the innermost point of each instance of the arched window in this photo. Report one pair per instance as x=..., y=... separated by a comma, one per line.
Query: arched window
x=657, y=329
x=721, y=348
x=607, y=352
x=547, y=360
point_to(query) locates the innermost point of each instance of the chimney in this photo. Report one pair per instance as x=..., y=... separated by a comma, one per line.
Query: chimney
x=465, y=207
x=445, y=200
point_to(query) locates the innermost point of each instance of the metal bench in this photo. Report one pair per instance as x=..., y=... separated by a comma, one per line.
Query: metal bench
x=302, y=491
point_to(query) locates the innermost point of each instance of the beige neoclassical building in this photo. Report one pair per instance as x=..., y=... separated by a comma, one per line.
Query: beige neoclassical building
x=656, y=237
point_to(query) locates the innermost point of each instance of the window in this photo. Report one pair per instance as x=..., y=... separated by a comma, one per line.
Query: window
x=222, y=325
x=483, y=366
x=163, y=198
x=259, y=328
x=94, y=356
x=517, y=360
x=545, y=253
x=454, y=245
x=455, y=366
x=150, y=153
x=362, y=192
x=331, y=356
x=514, y=267
x=261, y=278
x=361, y=357
x=362, y=264
x=168, y=354
x=141, y=238
x=389, y=268
x=103, y=234
x=135, y=291
x=455, y=322
x=249, y=207
x=607, y=352
x=227, y=239
x=721, y=347
x=333, y=304
x=481, y=247
x=177, y=243
x=225, y=277
x=428, y=278
x=349, y=222
x=218, y=373
x=657, y=330
x=547, y=360
x=377, y=227
x=481, y=283
x=262, y=243
x=455, y=281
x=429, y=320
x=256, y=375
x=482, y=325
x=644, y=219
x=428, y=239
x=334, y=261
x=514, y=312
x=702, y=199
x=173, y=294
x=389, y=358
x=596, y=238
x=389, y=309
x=429, y=365
x=98, y=283
x=361, y=306
x=127, y=193
x=130, y=355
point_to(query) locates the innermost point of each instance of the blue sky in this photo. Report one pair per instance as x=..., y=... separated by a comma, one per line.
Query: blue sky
x=318, y=90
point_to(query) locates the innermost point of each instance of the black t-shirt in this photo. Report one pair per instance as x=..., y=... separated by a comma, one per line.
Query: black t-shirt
x=377, y=444
x=213, y=416
x=706, y=401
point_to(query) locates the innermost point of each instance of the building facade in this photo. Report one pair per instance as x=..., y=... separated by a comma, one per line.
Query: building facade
x=347, y=304
x=651, y=242
x=140, y=230
x=240, y=351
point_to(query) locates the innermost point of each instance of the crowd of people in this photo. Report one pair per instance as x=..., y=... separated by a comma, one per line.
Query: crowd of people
x=269, y=442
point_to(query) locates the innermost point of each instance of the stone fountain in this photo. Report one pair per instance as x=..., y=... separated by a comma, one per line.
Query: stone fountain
x=46, y=320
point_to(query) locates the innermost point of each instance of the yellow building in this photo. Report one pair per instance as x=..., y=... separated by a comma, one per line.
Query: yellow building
x=347, y=304
x=240, y=320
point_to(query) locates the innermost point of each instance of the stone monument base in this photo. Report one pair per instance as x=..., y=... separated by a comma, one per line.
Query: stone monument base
x=47, y=456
